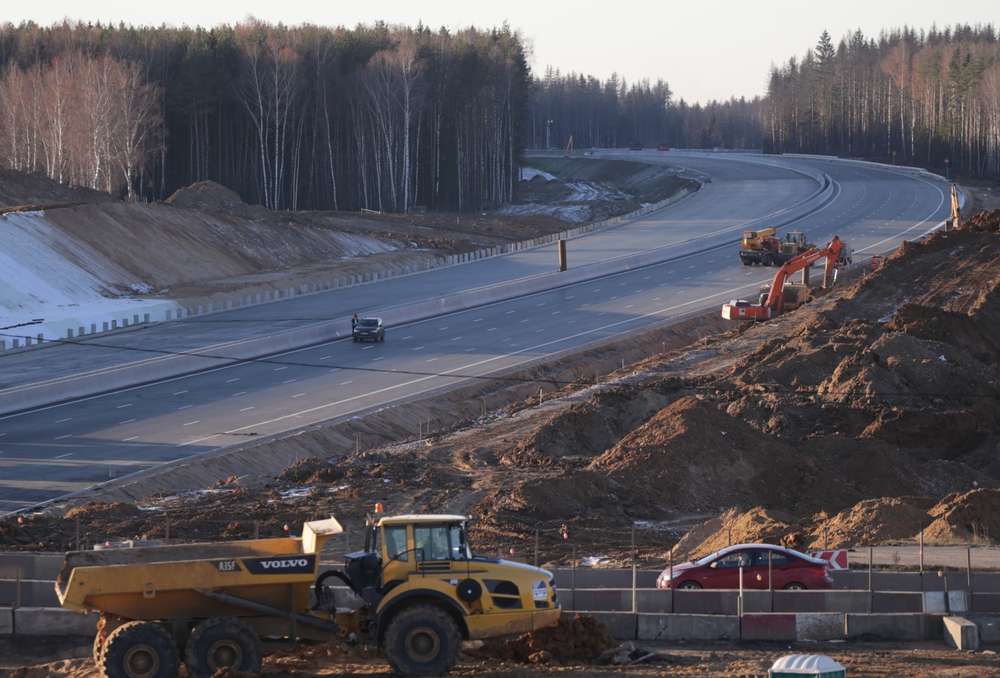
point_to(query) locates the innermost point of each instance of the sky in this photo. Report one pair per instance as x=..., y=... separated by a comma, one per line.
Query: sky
x=705, y=50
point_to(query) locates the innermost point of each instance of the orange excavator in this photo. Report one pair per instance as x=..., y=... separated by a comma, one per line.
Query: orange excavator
x=774, y=303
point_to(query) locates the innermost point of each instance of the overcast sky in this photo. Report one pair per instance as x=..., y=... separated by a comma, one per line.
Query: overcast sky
x=705, y=50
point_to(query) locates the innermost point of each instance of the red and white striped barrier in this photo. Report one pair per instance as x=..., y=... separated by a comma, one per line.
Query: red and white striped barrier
x=837, y=558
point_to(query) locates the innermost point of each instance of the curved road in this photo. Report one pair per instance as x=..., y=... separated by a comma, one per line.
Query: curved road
x=51, y=451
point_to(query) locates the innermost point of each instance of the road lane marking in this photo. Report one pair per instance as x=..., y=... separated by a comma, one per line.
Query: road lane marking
x=59, y=421
x=233, y=380
x=325, y=357
x=345, y=383
x=430, y=360
x=238, y=394
x=177, y=393
x=298, y=395
x=130, y=438
x=247, y=409
x=417, y=348
x=283, y=367
x=289, y=381
x=68, y=435
x=122, y=407
x=63, y=456
x=184, y=407
x=367, y=348
x=484, y=361
x=127, y=421
x=192, y=423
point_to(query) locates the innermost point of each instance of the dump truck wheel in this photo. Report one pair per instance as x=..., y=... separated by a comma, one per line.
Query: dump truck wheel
x=139, y=650
x=219, y=643
x=422, y=641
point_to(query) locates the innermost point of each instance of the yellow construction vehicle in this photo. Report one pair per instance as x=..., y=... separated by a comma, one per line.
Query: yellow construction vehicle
x=416, y=589
x=765, y=248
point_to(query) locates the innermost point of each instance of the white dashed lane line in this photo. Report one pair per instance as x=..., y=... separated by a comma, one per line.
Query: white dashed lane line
x=130, y=438
x=123, y=406
x=238, y=394
x=247, y=409
x=63, y=456
x=192, y=423
x=233, y=380
x=68, y=435
x=127, y=421
x=298, y=395
x=177, y=393
x=283, y=367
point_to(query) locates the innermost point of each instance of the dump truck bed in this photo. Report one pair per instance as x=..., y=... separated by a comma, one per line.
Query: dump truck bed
x=185, y=580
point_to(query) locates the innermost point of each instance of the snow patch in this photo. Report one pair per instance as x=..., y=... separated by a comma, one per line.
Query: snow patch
x=50, y=282
x=529, y=173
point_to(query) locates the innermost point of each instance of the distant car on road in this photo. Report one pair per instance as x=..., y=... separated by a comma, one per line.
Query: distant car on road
x=369, y=329
x=790, y=570
x=635, y=146
x=663, y=147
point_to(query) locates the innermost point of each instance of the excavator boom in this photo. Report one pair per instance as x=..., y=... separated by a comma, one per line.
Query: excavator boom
x=773, y=304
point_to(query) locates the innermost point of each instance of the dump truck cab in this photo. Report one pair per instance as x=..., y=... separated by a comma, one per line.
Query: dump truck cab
x=425, y=562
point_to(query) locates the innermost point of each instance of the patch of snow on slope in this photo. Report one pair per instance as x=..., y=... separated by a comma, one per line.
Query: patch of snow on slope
x=529, y=173
x=46, y=275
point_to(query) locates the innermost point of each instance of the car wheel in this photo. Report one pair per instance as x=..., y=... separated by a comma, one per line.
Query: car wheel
x=795, y=586
x=689, y=585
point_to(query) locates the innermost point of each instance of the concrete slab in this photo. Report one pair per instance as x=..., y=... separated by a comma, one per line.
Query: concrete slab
x=988, y=626
x=819, y=626
x=52, y=621
x=669, y=627
x=6, y=621
x=621, y=625
x=904, y=626
x=961, y=633
x=934, y=602
x=777, y=626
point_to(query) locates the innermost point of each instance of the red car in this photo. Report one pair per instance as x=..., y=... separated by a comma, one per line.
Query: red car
x=790, y=570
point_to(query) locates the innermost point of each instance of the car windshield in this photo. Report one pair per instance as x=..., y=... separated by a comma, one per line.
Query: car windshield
x=368, y=322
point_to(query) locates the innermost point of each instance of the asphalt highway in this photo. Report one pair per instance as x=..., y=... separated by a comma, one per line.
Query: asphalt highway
x=64, y=448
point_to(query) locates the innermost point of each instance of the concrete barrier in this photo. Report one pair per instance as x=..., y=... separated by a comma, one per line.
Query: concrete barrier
x=961, y=633
x=621, y=625
x=52, y=621
x=774, y=626
x=819, y=626
x=988, y=626
x=934, y=602
x=6, y=621
x=902, y=627
x=674, y=627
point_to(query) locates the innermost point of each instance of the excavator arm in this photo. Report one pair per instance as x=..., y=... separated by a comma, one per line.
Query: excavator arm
x=774, y=303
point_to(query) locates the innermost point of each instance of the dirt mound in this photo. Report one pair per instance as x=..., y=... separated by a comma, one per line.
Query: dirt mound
x=20, y=189
x=691, y=456
x=309, y=471
x=756, y=526
x=576, y=637
x=963, y=518
x=206, y=195
x=987, y=221
x=871, y=522
x=102, y=511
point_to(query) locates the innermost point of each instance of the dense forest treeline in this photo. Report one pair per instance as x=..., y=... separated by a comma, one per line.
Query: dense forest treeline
x=391, y=118
x=613, y=113
x=928, y=98
x=374, y=117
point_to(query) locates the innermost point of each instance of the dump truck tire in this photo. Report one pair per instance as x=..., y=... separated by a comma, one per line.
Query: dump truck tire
x=97, y=650
x=422, y=641
x=222, y=642
x=139, y=650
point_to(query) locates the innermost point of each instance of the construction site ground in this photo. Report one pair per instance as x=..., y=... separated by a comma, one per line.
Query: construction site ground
x=924, y=660
x=865, y=417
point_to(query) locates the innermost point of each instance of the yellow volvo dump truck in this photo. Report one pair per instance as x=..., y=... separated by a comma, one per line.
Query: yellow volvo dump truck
x=418, y=592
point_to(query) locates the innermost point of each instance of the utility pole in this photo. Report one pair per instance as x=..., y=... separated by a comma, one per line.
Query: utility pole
x=548, y=134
